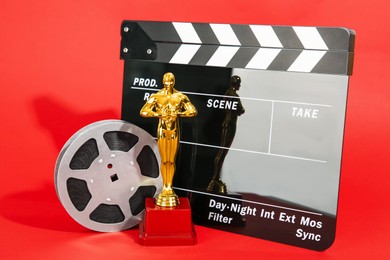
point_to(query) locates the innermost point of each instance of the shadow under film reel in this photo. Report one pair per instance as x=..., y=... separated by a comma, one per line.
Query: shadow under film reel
x=105, y=171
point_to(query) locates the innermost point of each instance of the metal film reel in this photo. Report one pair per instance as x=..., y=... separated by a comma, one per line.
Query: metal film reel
x=105, y=171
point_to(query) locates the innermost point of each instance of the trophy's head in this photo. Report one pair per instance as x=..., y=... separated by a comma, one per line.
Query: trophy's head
x=235, y=82
x=168, y=80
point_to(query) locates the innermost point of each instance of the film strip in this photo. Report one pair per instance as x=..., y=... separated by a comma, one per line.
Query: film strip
x=280, y=48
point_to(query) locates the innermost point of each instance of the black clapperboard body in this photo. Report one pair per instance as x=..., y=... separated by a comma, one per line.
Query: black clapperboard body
x=282, y=169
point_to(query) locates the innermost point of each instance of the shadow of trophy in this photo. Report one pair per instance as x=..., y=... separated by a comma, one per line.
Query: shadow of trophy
x=168, y=219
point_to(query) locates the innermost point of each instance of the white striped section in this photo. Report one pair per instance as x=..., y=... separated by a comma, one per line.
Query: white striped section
x=263, y=58
x=306, y=61
x=310, y=38
x=225, y=34
x=185, y=53
x=222, y=56
x=266, y=36
x=187, y=32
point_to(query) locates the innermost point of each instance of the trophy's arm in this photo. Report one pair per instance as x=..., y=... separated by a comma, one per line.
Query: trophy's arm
x=188, y=109
x=150, y=109
x=241, y=109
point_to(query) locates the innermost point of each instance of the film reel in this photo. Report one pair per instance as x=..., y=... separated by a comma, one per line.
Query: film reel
x=105, y=171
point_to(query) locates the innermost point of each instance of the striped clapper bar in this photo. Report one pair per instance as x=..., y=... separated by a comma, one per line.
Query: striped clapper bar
x=281, y=48
x=282, y=169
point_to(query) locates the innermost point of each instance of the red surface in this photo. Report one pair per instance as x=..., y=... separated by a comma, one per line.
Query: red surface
x=167, y=226
x=60, y=70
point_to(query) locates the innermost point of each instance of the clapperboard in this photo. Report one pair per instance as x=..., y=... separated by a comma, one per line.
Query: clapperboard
x=282, y=168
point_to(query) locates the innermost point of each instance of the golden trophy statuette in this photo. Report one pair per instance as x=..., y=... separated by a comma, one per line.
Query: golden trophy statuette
x=168, y=105
x=173, y=226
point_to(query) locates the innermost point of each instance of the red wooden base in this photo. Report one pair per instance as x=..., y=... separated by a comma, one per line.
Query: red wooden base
x=167, y=226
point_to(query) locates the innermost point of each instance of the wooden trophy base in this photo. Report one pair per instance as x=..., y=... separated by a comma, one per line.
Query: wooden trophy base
x=163, y=226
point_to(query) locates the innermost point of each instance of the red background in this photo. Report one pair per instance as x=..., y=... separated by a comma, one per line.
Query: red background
x=60, y=70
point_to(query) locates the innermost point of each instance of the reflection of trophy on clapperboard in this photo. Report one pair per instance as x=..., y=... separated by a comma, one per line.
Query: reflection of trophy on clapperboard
x=168, y=221
x=216, y=185
x=229, y=126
